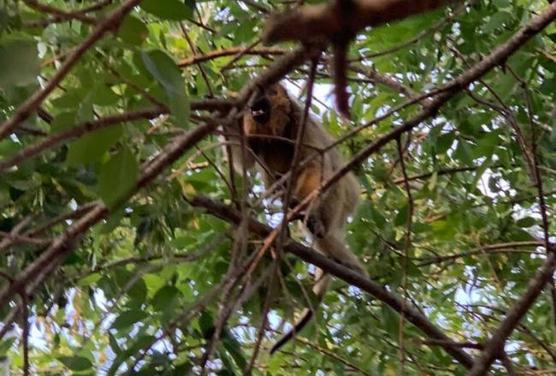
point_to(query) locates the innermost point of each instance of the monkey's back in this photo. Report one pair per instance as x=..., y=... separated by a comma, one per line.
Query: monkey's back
x=316, y=139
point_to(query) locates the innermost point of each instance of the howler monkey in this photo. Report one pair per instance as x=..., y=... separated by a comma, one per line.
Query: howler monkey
x=270, y=125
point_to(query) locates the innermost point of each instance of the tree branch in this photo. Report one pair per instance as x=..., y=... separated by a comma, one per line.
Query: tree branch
x=355, y=279
x=59, y=13
x=495, y=345
x=32, y=103
x=75, y=132
x=327, y=21
x=229, y=52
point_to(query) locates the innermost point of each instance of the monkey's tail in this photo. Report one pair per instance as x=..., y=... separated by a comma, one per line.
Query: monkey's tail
x=320, y=287
x=334, y=246
x=306, y=316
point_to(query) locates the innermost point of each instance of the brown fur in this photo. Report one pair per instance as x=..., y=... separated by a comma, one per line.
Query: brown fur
x=271, y=142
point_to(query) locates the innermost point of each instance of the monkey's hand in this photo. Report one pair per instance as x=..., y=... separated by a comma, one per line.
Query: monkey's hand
x=292, y=205
x=316, y=226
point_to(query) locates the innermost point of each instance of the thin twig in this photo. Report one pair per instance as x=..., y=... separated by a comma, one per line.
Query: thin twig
x=498, y=338
x=195, y=50
x=490, y=61
x=264, y=324
x=262, y=51
x=538, y=182
x=25, y=333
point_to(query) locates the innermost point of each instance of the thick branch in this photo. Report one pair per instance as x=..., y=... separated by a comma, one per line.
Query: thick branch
x=355, y=279
x=107, y=121
x=327, y=21
x=47, y=262
x=496, y=57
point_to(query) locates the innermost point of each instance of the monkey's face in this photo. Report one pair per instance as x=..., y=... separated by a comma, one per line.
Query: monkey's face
x=268, y=114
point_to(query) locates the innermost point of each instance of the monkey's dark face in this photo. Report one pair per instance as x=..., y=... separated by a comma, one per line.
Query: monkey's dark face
x=260, y=110
x=268, y=114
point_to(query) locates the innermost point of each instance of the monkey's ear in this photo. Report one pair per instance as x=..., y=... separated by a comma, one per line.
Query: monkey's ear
x=277, y=90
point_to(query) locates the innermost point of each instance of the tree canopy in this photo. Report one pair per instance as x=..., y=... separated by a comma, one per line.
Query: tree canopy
x=128, y=245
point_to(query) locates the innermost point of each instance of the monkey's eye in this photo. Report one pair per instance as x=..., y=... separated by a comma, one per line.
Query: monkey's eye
x=260, y=110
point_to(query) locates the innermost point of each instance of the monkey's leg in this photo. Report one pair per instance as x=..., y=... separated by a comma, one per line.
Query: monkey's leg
x=325, y=219
x=309, y=179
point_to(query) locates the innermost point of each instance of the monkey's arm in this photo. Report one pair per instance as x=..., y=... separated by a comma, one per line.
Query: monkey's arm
x=238, y=155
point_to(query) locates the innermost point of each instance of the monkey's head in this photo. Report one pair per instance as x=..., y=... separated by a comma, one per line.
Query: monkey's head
x=269, y=113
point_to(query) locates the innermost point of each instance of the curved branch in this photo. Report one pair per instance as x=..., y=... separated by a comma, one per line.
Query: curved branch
x=327, y=21
x=107, y=121
x=229, y=52
x=495, y=345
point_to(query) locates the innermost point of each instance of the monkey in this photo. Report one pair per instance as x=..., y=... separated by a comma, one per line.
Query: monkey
x=270, y=125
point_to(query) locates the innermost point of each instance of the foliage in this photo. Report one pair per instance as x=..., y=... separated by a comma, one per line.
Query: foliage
x=142, y=291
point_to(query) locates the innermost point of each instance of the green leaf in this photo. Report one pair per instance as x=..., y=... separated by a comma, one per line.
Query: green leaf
x=391, y=322
x=89, y=280
x=104, y=96
x=63, y=121
x=401, y=218
x=91, y=147
x=464, y=152
x=173, y=10
x=128, y=318
x=444, y=142
x=548, y=87
x=480, y=171
x=19, y=63
x=5, y=345
x=165, y=297
x=165, y=71
x=206, y=323
x=496, y=21
x=137, y=293
x=76, y=363
x=7, y=147
x=133, y=30
x=117, y=176
x=233, y=347
x=526, y=222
